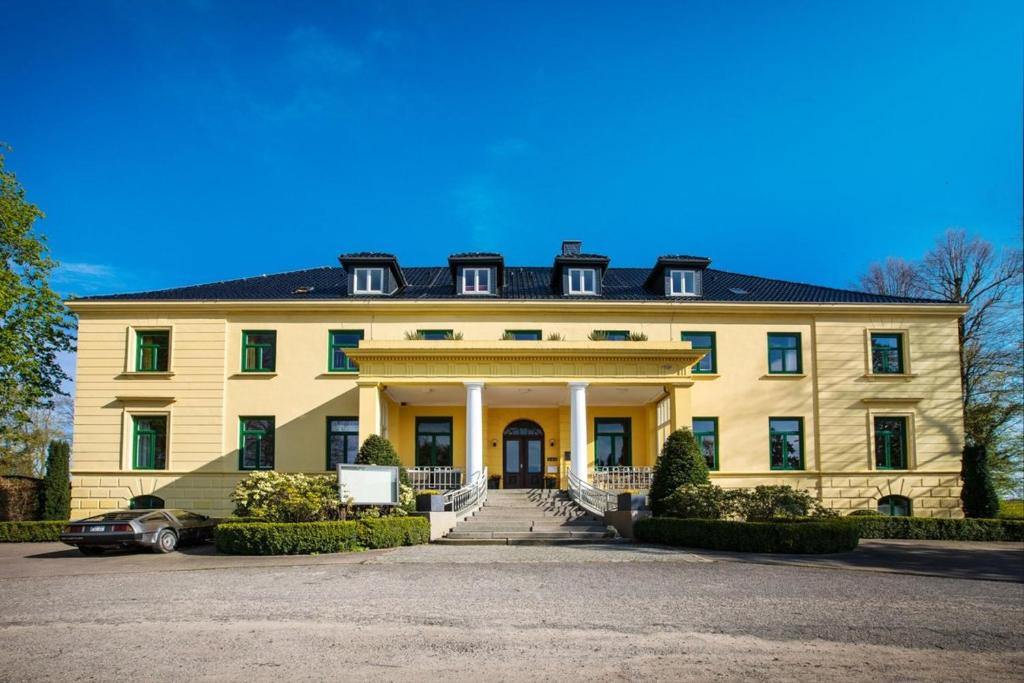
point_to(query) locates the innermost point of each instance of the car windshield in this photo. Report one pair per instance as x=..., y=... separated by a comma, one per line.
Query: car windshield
x=114, y=517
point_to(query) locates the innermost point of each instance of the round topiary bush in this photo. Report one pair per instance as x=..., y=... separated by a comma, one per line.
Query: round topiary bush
x=680, y=463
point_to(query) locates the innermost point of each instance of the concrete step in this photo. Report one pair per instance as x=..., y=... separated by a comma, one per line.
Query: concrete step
x=526, y=528
x=529, y=541
x=527, y=535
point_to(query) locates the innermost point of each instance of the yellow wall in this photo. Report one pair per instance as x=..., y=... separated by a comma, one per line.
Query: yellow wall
x=210, y=393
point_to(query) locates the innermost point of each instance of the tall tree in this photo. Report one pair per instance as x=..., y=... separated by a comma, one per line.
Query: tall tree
x=968, y=270
x=34, y=324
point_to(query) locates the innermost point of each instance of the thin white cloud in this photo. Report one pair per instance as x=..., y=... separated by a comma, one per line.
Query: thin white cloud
x=76, y=277
x=71, y=269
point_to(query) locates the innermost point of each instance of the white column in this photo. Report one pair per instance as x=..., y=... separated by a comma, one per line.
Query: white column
x=474, y=429
x=578, y=429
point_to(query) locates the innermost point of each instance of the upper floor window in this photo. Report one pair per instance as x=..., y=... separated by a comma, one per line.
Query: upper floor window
x=476, y=280
x=259, y=351
x=522, y=335
x=369, y=280
x=784, y=353
x=149, y=442
x=786, y=442
x=887, y=353
x=256, y=443
x=612, y=442
x=153, y=350
x=705, y=431
x=339, y=341
x=682, y=283
x=703, y=340
x=582, y=281
x=609, y=335
x=890, y=443
x=436, y=335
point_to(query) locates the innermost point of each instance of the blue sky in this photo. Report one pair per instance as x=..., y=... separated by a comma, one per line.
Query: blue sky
x=182, y=142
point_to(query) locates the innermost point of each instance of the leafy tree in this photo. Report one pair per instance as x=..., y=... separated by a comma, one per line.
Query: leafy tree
x=978, y=494
x=681, y=463
x=968, y=270
x=34, y=324
x=56, y=483
x=24, y=447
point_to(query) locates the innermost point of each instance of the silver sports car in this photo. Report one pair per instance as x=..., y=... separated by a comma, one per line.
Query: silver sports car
x=159, y=530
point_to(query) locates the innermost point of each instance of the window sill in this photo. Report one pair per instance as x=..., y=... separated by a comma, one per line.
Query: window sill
x=142, y=374
x=338, y=374
x=253, y=375
x=784, y=375
x=704, y=375
x=894, y=376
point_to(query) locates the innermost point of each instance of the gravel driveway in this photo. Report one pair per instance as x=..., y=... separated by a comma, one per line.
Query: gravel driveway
x=499, y=613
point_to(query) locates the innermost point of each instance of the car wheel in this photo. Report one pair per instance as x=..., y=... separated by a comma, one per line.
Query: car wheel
x=87, y=550
x=166, y=541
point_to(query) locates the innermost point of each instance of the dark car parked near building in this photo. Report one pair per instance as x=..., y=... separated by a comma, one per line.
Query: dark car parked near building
x=159, y=530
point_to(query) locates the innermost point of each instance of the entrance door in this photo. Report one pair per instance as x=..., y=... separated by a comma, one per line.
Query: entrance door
x=523, y=455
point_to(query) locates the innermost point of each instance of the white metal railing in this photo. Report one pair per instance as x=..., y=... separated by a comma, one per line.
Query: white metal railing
x=469, y=497
x=623, y=478
x=436, y=478
x=594, y=500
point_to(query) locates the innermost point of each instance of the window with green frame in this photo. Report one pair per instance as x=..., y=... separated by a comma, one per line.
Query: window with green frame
x=784, y=357
x=524, y=335
x=259, y=350
x=338, y=341
x=149, y=442
x=612, y=442
x=705, y=431
x=256, y=443
x=436, y=335
x=152, y=350
x=890, y=443
x=894, y=506
x=342, y=441
x=786, y=442
x=886, y=353
x=703, y=340
x=433, y=442
x=613, y=335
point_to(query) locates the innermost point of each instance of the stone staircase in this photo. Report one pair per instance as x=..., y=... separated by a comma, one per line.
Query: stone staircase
x=529, y=517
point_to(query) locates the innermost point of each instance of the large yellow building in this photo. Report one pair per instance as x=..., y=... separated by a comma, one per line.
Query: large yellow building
x=529, y=372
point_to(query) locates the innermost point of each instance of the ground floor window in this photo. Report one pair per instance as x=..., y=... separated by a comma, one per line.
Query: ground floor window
x=786, y=438
x=894, y=506
x=256, y=443
x=612, y=442
x=342, y=441
x=146, y=503
x=891, y=443
x=149, y=439
x=705, y=431
x=433, y=442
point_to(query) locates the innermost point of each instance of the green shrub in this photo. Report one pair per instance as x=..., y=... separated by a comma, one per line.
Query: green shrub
x=320, y=537
x=680, y=463
x=56, y=493
x=1011, y=509
x=933, y=529
x=701, y=501
x=277, y=497
x=978, y=494
x=764, y=503
x=825, y=536
x=865, y=513
x=30, y=532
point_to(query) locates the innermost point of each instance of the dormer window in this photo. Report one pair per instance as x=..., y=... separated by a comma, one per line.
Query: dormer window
x=582, y=281
x=476, y=280
x=682, y=283
x=369, y=281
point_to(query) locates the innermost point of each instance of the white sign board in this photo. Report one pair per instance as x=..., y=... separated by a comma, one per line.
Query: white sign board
x=368, y=484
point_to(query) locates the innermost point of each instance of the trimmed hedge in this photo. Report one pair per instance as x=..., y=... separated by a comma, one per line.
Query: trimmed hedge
x=933, y=529
x=30, y=532
x=831, y=536
x=304, y=538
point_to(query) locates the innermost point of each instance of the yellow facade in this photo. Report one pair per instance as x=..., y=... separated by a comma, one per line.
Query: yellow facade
x=204, y=392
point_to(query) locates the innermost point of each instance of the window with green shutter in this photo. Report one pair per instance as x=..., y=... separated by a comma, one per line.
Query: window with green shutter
x=259, y=351
x=890, y=443
x=149, y=442
x=256, y=443
x=153, y=349
x=339, y=340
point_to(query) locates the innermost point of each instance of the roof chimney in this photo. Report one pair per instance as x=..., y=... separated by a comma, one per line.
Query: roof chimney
x=571, y=247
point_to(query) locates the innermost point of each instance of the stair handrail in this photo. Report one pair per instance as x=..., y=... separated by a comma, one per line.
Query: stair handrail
x=469, y=497
x=592, y=499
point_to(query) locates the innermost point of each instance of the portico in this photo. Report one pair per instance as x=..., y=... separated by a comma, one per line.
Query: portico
x=636, y=391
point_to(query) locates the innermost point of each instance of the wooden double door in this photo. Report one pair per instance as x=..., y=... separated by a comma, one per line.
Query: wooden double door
x=523, y=455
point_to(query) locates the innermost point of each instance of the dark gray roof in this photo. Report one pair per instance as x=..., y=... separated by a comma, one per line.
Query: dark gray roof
x=535, y=283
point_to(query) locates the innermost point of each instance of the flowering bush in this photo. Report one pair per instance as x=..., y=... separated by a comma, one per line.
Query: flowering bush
x=278, y=497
